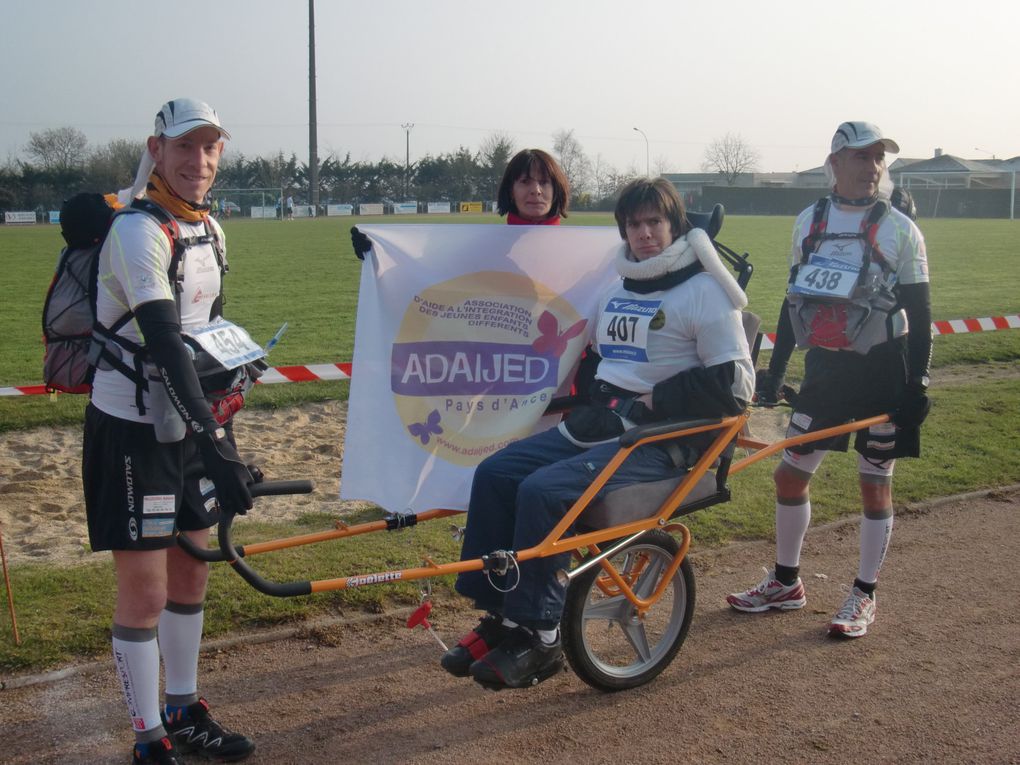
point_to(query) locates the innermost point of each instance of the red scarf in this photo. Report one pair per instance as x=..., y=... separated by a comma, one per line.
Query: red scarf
x=513, y=219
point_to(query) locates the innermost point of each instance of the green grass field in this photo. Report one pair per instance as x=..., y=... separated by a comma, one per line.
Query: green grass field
x=305, y=273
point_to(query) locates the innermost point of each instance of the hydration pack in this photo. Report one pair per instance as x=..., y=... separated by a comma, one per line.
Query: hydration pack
x=839, y=304
x=75, y=342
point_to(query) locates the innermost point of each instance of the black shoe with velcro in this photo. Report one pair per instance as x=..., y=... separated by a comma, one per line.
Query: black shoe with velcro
x=520, y=661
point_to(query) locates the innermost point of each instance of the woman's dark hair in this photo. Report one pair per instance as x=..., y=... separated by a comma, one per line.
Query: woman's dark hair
x=533, y=162
x=657, y=194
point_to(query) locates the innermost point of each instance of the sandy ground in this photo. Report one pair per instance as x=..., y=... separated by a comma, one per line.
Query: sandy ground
x=936, y=680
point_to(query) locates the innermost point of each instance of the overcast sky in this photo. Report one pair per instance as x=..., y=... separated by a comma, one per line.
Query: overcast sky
x=782, y=75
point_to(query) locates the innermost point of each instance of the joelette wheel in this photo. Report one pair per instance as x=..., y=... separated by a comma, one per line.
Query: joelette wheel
x=607, y=644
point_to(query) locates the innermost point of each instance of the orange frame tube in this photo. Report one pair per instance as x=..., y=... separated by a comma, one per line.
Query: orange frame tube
x=557, y=540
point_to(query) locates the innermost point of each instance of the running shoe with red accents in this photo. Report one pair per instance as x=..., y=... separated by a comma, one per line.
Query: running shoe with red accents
x=769, y=593
x=155, y=753
x=854, y=616
x=193, y=729
x=489, y=633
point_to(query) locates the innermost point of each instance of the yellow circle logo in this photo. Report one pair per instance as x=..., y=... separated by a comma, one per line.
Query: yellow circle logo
x=477, y=360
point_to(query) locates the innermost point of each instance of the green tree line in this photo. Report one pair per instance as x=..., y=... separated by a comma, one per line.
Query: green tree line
x=59, y=162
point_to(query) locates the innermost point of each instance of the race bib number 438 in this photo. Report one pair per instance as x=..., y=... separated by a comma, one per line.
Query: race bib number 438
x=826, y=278
x=623, y=328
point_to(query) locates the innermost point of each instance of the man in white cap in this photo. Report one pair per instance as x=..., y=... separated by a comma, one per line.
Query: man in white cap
x=858, y=301
x=149, y=423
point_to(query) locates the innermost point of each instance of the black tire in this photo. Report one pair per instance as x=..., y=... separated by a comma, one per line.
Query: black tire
x=605, y=643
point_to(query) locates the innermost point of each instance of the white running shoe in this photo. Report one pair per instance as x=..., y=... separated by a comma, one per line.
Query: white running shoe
x=769, y=593
x=854, y=616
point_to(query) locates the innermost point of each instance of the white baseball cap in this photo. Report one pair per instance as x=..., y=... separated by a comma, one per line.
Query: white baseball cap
x=182, y=115
x=858, y=135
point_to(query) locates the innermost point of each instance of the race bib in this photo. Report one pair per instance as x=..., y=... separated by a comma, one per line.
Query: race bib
x=228, y=343
x=623, y=328
x=826, y=278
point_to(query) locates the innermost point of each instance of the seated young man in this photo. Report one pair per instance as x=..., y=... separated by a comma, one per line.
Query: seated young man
x=684, y=355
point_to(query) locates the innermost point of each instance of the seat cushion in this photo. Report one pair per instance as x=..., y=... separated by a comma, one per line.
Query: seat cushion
x=641, y=500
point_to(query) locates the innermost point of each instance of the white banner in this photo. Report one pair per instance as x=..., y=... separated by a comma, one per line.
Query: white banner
x=304, y=211
x=264, y=212
x=464, y=335
x=374, y=208
x=339, y=209
x=405, y=208
x=26, y=216
x=436, y=208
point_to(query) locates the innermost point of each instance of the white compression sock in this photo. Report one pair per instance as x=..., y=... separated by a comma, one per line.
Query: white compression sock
x=180, y=635
x=792, y=523
x=136, y=659
x=875, y=534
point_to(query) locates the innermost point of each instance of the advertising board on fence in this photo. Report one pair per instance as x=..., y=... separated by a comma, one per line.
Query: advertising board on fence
x=405, y=208
x=339, y=209
x=304, y=211
x=54, y=216
x=471, y=207
x=25, y=216
x=263, y=212
x=437, y=208
x=376, y=208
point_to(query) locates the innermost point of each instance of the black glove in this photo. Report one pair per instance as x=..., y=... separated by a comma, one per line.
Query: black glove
x=766, y=388
x=224, y=468
x=913, y=408
x=362, y=243
x=593, y=424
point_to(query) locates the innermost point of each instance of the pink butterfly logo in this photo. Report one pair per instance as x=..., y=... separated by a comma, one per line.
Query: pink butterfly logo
x=551, y=341
x=425, y=430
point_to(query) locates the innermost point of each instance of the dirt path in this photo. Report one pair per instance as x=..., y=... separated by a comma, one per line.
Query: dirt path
x=937, y=680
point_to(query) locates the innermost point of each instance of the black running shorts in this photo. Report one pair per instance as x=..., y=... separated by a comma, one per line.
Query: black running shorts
x=135, y=490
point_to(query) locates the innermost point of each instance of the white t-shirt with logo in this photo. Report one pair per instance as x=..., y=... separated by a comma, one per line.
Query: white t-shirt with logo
x=133, y=270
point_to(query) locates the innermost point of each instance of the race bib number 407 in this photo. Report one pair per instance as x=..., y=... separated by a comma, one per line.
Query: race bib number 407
x=623, y=328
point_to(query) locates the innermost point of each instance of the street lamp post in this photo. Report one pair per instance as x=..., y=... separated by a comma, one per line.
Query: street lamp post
x=407, y=156
x=647, y=165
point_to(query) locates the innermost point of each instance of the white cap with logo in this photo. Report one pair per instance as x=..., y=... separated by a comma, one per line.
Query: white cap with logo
x=182, y=115
x=860, y=135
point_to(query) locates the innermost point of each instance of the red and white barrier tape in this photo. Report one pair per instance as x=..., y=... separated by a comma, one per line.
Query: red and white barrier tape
x=315, y=372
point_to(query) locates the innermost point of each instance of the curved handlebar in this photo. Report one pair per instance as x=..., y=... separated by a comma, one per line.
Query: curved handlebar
x=227, y=551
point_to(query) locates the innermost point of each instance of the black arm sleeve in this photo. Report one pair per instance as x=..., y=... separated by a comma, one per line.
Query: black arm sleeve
x=916, y=301
x=785, y=342
x=698, y=392
x=161, y=328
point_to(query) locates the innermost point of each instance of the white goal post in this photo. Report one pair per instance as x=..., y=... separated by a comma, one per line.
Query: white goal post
x=264, y=203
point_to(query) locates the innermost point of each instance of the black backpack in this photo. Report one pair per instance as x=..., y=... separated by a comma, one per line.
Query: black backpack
x=75, y=343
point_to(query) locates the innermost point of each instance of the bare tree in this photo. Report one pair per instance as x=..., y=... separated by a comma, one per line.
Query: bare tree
x=494, y=155
x=573, y=160
x=58, y=149
x=730, y=156
x=112, y=166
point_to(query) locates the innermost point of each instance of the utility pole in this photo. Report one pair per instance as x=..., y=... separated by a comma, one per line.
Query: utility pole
x=407, y=157
x=313, y=140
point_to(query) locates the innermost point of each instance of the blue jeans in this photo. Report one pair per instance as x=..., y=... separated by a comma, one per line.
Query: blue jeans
x=517, y=496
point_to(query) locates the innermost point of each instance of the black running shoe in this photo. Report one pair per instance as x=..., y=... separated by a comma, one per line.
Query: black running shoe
x=489, y=633
x=160, y=753
x=194, y=730
x=520, y=661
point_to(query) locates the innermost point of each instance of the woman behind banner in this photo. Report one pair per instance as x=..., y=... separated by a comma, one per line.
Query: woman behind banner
x=684, y=355
x=534, y=190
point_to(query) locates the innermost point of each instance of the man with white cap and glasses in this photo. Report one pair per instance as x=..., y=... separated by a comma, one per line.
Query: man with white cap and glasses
x=159, y=279
x=858, y=300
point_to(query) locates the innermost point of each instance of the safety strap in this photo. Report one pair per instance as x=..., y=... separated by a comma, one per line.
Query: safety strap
x=868, y=232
